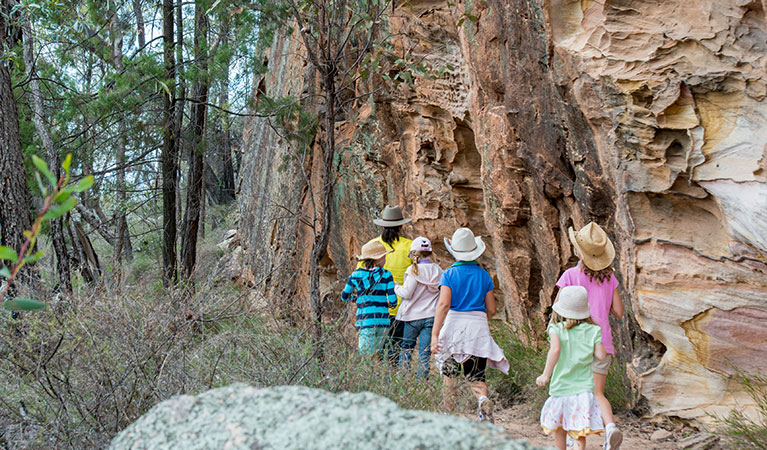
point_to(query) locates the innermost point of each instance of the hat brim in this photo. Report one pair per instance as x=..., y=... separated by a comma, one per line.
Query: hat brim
x=568, y=313
x=467, y=256
x=374, y=256
x=594, y=263
x=391, y=223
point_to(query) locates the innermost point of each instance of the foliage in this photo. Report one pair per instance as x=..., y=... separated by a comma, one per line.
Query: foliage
x=58, y=201
x=740, y=430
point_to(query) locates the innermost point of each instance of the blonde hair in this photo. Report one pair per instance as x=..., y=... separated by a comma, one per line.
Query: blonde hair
x=556, y=319
x=417, y=256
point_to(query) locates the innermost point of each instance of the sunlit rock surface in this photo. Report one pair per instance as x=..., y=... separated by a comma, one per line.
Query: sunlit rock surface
x=645, y=116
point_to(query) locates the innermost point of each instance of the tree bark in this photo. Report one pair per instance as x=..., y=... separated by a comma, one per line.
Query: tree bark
x=180, y=106
x=199, y=110
x=15, y=215
x=227, y=167
x=169, y=155
x=63, y=258
x=140, y=29
x=124, y=246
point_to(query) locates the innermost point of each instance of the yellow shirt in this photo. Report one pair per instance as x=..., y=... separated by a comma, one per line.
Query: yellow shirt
x=397, y=262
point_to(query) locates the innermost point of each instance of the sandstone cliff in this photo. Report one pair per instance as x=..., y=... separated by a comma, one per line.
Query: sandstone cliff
x=645, y=116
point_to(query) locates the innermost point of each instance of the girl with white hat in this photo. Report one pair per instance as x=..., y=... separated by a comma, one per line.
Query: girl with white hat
x=419, y=294
x=460, y=339
x=571, y=409
x=593, y=272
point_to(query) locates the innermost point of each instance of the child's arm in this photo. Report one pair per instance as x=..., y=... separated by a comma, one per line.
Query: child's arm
x=346, y=294
x=600, y=352
x=617, y=307
x=443, y=306
x=490, y=304
x=405, y=291
x=551, y=360
x=391, y=297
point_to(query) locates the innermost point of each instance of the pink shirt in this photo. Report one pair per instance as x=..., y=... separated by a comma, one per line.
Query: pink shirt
x=600, y=299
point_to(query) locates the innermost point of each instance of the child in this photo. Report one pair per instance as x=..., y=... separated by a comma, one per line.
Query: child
x=419, y=294
x=461, y=339
x=593, y=272
x=375, y=295
x=571, y=409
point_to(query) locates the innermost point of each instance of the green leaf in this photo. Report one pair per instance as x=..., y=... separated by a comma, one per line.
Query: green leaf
x=59, y=210
x=63, y=195
x=67, y=162
x=43, y=168
x=34, y=258
x=23, y=304
x=83, y=184
x=8, y=253
x=5, y=272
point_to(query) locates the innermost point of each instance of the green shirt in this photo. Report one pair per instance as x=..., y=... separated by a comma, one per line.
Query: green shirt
x=572, y=374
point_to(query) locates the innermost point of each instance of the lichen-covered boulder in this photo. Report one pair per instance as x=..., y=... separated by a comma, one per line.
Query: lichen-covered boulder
x=293, y=417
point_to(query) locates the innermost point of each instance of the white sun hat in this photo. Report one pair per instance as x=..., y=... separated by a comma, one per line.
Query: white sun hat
x=573, y=303
x=465, y=246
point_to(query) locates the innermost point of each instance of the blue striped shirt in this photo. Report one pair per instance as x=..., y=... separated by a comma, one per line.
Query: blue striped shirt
x=375, y=295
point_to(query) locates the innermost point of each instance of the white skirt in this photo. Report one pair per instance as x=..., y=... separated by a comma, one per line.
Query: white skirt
x=465, y=334
x=578, y=415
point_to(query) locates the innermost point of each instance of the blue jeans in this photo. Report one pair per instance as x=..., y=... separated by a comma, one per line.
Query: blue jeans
x=417, y=330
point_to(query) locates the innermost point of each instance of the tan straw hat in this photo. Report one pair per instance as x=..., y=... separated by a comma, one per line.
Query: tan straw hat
x=373, y=250
x=573, y=303
x=391, y=216
x=465, y=246
x=595, y=249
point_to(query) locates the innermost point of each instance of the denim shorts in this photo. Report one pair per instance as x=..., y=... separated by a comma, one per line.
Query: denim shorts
x=371, y=340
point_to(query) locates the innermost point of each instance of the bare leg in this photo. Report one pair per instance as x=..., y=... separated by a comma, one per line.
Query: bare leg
x=599, y=393
x=580, y=443
x=560, y=439
x=448, y=393
x=479, y=389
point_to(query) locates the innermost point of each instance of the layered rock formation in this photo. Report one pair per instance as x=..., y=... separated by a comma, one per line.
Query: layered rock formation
x=642, y=115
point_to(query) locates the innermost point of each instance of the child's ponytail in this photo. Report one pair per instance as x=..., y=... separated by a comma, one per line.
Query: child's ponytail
x=417, y=256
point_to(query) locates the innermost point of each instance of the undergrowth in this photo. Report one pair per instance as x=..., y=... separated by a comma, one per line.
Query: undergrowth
x=746, y=431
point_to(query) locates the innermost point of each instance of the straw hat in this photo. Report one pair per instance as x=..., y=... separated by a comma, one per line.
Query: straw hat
x=573, y=303
x=421, y=244
x=595, y=249
x=391, y=216
x=464, y=246
x=373, y=250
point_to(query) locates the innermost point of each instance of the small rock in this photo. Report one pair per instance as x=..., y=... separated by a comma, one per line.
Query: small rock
x=660, y=435
x=699, y=441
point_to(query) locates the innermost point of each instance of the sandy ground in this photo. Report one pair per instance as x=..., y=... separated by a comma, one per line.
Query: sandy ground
x=519, y=421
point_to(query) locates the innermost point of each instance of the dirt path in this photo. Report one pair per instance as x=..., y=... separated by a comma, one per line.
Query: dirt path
x=519, y=421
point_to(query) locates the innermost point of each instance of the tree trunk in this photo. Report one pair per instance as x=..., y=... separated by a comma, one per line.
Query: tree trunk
x=38, y=117
x=140, y=29
x=180, y=105
x=124, y=247
x=199, y=109
x=225, y=151
x=169, y=155
x=328, y=181
x=15, y=216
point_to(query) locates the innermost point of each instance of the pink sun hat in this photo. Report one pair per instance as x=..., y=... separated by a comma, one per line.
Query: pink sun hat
x=420, y=244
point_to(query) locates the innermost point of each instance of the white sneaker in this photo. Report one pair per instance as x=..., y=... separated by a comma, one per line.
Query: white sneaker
x=486, y=408
x=613, y=438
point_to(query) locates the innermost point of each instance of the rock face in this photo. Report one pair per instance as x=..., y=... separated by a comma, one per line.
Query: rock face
x=292, y=417
x=645, y=116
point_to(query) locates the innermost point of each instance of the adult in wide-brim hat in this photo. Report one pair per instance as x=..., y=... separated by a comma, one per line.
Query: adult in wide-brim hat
x=594, y=247
x=391, y=216
x=464, y=246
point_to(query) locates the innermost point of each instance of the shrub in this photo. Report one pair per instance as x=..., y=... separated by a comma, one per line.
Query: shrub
x=740, y=430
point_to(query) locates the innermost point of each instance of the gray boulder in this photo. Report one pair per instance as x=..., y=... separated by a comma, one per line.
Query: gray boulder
x=293, y=417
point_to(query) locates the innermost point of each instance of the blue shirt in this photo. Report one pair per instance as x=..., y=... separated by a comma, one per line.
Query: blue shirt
x=469, y=283
x=375, y=295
